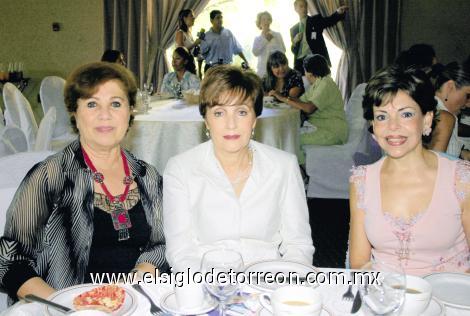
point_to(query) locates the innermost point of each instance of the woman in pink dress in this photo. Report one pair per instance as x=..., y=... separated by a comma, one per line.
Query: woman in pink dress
x=412, y=207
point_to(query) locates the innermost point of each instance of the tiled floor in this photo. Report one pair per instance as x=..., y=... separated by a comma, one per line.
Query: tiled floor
x=329, y=220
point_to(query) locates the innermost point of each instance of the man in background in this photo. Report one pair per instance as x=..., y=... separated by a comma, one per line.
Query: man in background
x=218, y=45
x=307, y=37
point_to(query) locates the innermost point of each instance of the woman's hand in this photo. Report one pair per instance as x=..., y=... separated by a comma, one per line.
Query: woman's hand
x=35, y=286
x=268, y=35
x=276, y=94
x=342, y=9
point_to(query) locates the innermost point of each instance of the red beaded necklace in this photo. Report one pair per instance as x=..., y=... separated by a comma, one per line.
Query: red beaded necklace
x=119, y=215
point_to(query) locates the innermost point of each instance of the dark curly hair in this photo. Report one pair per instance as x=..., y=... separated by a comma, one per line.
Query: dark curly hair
x=84, y=81
x=385, y=84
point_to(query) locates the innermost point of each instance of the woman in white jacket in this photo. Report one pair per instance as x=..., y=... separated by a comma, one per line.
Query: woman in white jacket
x=231, y=191
x=267, y=42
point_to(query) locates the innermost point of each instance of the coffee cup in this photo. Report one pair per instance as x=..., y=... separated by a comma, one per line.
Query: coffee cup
x=189, y=296
x=293, y=300
x=417, y=296
x=268, y=99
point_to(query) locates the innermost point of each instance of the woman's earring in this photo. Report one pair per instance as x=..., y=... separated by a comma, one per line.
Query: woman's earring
x=446, y=98
x=208, y=135
x=427, y=131
x=253, y=133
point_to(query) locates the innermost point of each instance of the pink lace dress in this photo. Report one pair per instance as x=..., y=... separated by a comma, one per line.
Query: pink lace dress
x=431, y=241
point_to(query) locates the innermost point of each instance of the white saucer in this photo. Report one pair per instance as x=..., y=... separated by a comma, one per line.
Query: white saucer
x=451, y=288
x=435, y=308
x=264, y=312
x=169, y=304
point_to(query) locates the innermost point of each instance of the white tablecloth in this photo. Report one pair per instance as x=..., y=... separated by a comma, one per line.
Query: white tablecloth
x=331, y=295
x=172, y=127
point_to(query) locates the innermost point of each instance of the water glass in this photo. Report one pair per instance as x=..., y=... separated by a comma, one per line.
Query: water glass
x=386, y=294
x=220, y=267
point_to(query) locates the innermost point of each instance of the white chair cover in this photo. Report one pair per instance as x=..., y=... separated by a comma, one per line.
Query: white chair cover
x=2, y=119
x=328, y=167
x=52, y=95
x=19, y=113
x=12, y=170
x=12, y=141
x=45, y=131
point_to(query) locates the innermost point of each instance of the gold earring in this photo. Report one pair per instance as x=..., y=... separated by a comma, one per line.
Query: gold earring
x=208, y=135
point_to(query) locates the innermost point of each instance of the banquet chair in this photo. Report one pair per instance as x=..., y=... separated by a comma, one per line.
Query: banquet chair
x=2, y=119
x=12, y=141
x=13, y=168
x=18, y=112
x=51, y=93
x=328, y=167
x=45, y=131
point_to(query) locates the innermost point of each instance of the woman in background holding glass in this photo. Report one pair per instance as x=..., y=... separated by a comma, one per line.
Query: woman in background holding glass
x=267, y=42
x=183, y=36
x=184, y=75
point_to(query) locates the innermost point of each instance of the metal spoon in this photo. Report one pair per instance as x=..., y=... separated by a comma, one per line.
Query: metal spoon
x=60, y=308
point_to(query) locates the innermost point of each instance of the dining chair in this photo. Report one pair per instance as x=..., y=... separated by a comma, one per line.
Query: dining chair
x=14, y=168
x=2, y=119
x=12, y=141
x=328, y=167
x=45, y=131
x=18, y=113
x=51, y=93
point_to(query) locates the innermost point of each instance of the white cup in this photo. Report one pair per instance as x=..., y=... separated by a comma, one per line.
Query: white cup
x=268, y=99
x=189, y=296
x=417, y=297
x=293, y=300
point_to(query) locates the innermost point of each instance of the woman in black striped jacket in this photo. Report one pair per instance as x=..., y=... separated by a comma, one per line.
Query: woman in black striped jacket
x=93, y=207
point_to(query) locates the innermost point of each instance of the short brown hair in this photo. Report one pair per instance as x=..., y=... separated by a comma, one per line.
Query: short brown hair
x=260, y=15
x=84, y=81
x=232, y=79
x=297, y=1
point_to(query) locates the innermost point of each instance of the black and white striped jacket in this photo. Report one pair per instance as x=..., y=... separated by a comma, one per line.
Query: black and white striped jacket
x=49, y=225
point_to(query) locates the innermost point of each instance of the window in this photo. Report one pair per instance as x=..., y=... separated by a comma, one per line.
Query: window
x=240, y=18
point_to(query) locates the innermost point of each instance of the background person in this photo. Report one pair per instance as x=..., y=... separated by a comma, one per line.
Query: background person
x=231, y=191
x=267, y=42
x=323, y=105
x=219, y=44
x=307, y=35
x=183, y=36
x=452, y=84
x=412, y=207
x=114, y=56
x=280, y=79
x=61, y=225
x=184, y=75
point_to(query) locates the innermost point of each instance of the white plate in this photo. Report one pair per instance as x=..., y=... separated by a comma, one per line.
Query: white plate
x=435, y=308
x=264, y=312
x=65, y=297
x=277, y=266
x=169, y=304
x=452, y=289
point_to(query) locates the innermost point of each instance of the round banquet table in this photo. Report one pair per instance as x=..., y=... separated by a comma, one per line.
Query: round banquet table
x=172, y=126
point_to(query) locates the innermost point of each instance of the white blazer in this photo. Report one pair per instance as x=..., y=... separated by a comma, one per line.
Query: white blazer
x=201, y=211
x=262, y=48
